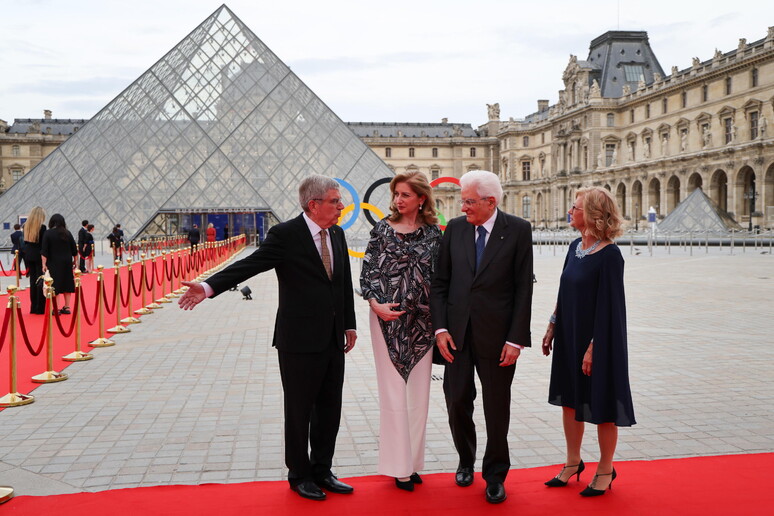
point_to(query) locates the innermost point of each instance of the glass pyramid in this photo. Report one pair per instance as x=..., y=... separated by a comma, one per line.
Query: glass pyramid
x=218, y=123
x=697, y=213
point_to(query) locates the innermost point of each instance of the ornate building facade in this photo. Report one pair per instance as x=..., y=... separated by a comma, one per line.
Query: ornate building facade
x=27, y=141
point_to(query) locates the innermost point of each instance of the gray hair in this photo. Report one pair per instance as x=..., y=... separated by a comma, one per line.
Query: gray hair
x=485, y=183
x=315, y=187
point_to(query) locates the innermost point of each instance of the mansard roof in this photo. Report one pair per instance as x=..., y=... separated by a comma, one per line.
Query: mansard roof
x=620, y=58
x=411, y=130
x=57, y=125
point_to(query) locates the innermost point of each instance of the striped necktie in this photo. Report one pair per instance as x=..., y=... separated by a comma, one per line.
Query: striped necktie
x=326, y=256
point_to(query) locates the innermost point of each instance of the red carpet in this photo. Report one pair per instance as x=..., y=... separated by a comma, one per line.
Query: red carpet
x=733, y=484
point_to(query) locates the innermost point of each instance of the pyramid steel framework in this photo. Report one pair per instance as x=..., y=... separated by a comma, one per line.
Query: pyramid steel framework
x=219, y=123
x=697, y=213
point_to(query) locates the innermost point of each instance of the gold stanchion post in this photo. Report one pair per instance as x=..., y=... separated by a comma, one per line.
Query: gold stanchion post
x=143, y=310
x=153, y=305
x=118, y=328
x=101, y=342
x=130, y=319
x=163, y=298
x=13, y=398
x=176, y=292
x=6, y=493
x=78, y=355
x=49, y=375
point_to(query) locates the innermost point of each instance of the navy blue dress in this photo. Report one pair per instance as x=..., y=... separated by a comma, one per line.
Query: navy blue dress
x=591, y=304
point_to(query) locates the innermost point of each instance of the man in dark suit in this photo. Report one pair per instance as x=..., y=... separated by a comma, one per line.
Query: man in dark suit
x=481, y=303
x=83, y=238
x=17, y=244
x=194, y=236
x=315, y=326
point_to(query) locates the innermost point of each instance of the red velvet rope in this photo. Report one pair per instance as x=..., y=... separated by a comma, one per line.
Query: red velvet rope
x=128, y=289
x=64, y=333
x=24, y=330
x=138, y=290
x=108, y=308
x=90, y=321
x=4, y=331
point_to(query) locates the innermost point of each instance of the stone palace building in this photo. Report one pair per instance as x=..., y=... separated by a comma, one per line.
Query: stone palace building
x=621, y=122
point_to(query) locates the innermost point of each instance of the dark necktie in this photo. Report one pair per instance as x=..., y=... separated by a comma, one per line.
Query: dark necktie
x=325, y=255
x=480, y=243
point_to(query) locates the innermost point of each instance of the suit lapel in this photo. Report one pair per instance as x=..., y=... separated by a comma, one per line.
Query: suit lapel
x=307, y=242
x=469, y=244
x=496, y=241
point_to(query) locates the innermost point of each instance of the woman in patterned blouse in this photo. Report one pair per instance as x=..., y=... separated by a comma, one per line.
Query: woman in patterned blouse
x=395, y=280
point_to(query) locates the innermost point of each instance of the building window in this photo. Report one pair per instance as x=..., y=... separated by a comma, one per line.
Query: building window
x=435, y=173
x=388, y=152
x=753, y=125
x=525, y=170
x=631, y=115
x=526, y=207
x=16, y=174
x=647, y=110
x=728, y=128
x=684, y=99
x=664, y=105
x=609, y=151
x=754, y=78
x=634, y=73
x=472, y=152
x=15, y=151
x=525, y=141
x=411, y=152
x=542, y=138
x=610, y=120
x=435, y=152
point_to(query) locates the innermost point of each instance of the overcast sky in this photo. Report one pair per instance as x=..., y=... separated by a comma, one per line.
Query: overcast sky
x=393, y=61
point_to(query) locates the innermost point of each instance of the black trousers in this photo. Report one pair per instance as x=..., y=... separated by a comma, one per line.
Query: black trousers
x=460, y=390
x=37, y=299
x=312, y=384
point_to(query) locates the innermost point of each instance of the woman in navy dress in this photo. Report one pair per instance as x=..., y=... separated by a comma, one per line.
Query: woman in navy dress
x=587, y=331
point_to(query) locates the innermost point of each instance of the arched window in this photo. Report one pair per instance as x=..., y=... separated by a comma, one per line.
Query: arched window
x=526, y=207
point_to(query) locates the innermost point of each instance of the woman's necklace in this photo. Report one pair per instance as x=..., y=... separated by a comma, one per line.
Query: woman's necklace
x=580, y=253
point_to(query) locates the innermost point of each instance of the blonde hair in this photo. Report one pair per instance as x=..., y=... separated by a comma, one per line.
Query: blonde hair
x=210, y=225
x=33, y=223
x=419, y=185
x=601, y=213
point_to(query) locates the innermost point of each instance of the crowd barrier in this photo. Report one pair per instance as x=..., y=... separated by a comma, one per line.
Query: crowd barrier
x=135, y=282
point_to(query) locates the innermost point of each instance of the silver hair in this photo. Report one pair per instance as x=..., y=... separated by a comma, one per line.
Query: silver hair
x=486, y=184
x=314, y=187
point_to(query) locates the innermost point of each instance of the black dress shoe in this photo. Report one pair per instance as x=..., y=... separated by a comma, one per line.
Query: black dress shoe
x=495, y=492
x=308, y=489
x=464, y=476
x=334, y=485
x=416, y=478
x=406, y=485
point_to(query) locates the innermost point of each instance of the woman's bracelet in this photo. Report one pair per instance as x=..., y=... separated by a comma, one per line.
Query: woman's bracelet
x=552, y=319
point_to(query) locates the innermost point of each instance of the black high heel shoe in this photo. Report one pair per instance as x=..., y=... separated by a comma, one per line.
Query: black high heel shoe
x=416, y=478
x=558, y=482
x=590, y=491
x=406, y=485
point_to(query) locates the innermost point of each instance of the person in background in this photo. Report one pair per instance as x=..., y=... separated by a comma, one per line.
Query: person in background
x=89, y=248
x=225, y=232
x=587, y=332
x=211, y=232
x=395, y=280
x=59, y=251
x=82, y=238
x=17, y=241
x=194, y=236
x=34, y=229
x=116, y=244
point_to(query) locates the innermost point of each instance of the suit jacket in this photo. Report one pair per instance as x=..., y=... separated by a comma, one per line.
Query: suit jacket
x=17, y=237
x=83, y=235
x=497, y=298
x=311, y=306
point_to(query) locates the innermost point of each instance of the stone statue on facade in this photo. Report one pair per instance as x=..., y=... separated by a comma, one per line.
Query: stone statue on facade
x=742, y=45
x=696, y=62
x=599, y=160
x=646, y=149
x=631, y=151
x=683, y=141
x=733, y=133
x=493, y=111
x=626, y=90
x=614, y=160
x=762, y=123
x=657, y=77
x=595, y=90
x=674, y=71
x=706, y=137
x=664, y=145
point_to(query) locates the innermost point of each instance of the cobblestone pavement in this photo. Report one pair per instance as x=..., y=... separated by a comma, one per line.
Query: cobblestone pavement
x=195, y=397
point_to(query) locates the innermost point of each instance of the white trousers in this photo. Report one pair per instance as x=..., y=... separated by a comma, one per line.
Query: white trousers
x=402, y=409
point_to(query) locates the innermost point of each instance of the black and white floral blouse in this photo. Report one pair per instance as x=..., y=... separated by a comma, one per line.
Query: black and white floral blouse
x=397, y=268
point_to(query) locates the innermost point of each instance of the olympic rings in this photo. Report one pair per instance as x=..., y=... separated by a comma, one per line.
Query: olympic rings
x=369, y=208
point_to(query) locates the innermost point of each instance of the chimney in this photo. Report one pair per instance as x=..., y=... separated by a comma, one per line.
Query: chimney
x=444, y=120
x=542, y=105
x=47, y=114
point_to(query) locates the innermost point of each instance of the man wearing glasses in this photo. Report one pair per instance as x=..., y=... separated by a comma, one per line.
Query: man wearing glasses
x=481, y=303
x=315, y=327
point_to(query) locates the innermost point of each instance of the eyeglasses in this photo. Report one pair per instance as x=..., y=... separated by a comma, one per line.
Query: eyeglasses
x=334, y=202
x=470, y=202
x=575, y=208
